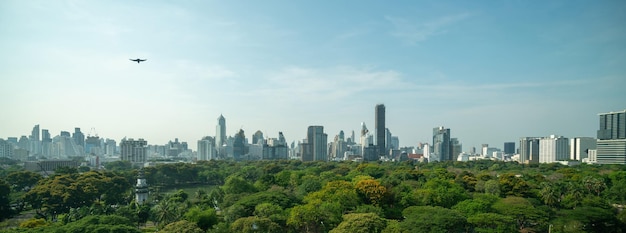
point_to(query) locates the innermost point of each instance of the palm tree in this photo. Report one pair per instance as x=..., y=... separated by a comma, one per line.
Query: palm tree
x=165, y=212
x=550, y=194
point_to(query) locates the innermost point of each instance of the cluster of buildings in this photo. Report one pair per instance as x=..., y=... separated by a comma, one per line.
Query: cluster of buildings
x=41, y=151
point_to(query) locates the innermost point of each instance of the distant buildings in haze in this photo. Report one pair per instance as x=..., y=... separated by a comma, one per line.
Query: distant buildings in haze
x=381, y=144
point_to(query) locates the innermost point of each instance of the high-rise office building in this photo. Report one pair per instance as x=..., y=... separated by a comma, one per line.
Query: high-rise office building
x=6, y=149
x=46, y=142
x=509, y=148
x=611, y=144
x=220, y=132
x=206, y=149
x=314, y=149
x=580, y=146
x=257, y=138
x=553, y=149
x=239, y=146
x=24, y=143
x=442, y=148
x=529, y=150
x=79, y=137
x=338, y=146
x=34, y=136
x=457, y=148
x=92, y=145
x=380, y=129
x=35, y=141
x=134, y=151
x=110, y=147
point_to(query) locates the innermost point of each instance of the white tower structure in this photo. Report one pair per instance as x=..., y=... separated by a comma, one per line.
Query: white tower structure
x=141, y=189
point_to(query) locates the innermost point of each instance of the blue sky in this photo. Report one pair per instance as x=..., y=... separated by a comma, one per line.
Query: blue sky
x=492, y=71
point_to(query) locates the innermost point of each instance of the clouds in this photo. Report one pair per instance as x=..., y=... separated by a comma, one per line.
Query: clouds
x=332, y=83
x=413, y=32
x=282, y=66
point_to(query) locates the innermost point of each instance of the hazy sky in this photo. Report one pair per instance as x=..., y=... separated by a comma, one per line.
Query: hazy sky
x=492, y=71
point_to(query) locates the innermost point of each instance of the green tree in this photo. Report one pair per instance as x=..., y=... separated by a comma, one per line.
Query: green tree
x=205, y=219
x=34, y=223
x=492, y=223
x=438, y=192
x=481, y=203
x=371, y=191
x=5, y=202
x=520, y=209
x=237, y=185
x=360, y=222
x=420, y=219
x=512, y=185
x=22, y=180
x=588, y=219
x=341, y=192
x=182, y=226
x=315, y=216
x=492, y=187
x=594, y=185
x=254, y=224
x=272, y=211
x=120, y=165
x=165, y=212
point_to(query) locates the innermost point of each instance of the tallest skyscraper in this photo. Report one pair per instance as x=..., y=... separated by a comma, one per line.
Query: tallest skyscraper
x=380, y=128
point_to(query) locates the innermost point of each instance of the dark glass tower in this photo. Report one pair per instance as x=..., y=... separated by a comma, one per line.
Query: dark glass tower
x=380, y=128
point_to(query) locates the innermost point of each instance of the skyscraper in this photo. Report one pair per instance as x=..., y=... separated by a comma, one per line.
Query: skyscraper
x=611, y=144
x=134, y=151
x=315, y=146
x=46, y=142
x=220, y=132
x=579, y=147
x=257, y=138
x=457, y=148
x=6, y=149
x=239, y=146
x=35, y=141
x=509, y=148
x=553, y=149
x=529, y=150
x=79, y=137
x=442, y=148
x=380, y=128
x=206, y=148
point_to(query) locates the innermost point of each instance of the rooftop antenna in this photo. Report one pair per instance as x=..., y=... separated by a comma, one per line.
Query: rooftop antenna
x=93, y=132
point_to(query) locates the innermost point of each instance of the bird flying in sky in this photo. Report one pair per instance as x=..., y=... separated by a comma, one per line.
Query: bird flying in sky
x=138, y=60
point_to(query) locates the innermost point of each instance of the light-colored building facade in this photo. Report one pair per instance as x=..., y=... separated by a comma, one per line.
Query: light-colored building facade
x=553, y=149
x=579, y=147
x=220, y=131
x=134, y=151
x=6, y=149
x=206, y=149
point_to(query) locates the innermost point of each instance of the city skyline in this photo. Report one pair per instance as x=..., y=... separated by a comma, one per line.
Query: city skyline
x=492, y=72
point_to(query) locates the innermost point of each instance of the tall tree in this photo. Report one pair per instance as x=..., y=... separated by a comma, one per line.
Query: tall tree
x=433, y=219
x=361, y=222
x=5, y=203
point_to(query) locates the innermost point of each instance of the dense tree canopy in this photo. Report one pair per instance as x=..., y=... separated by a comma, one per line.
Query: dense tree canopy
x=294, y=196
